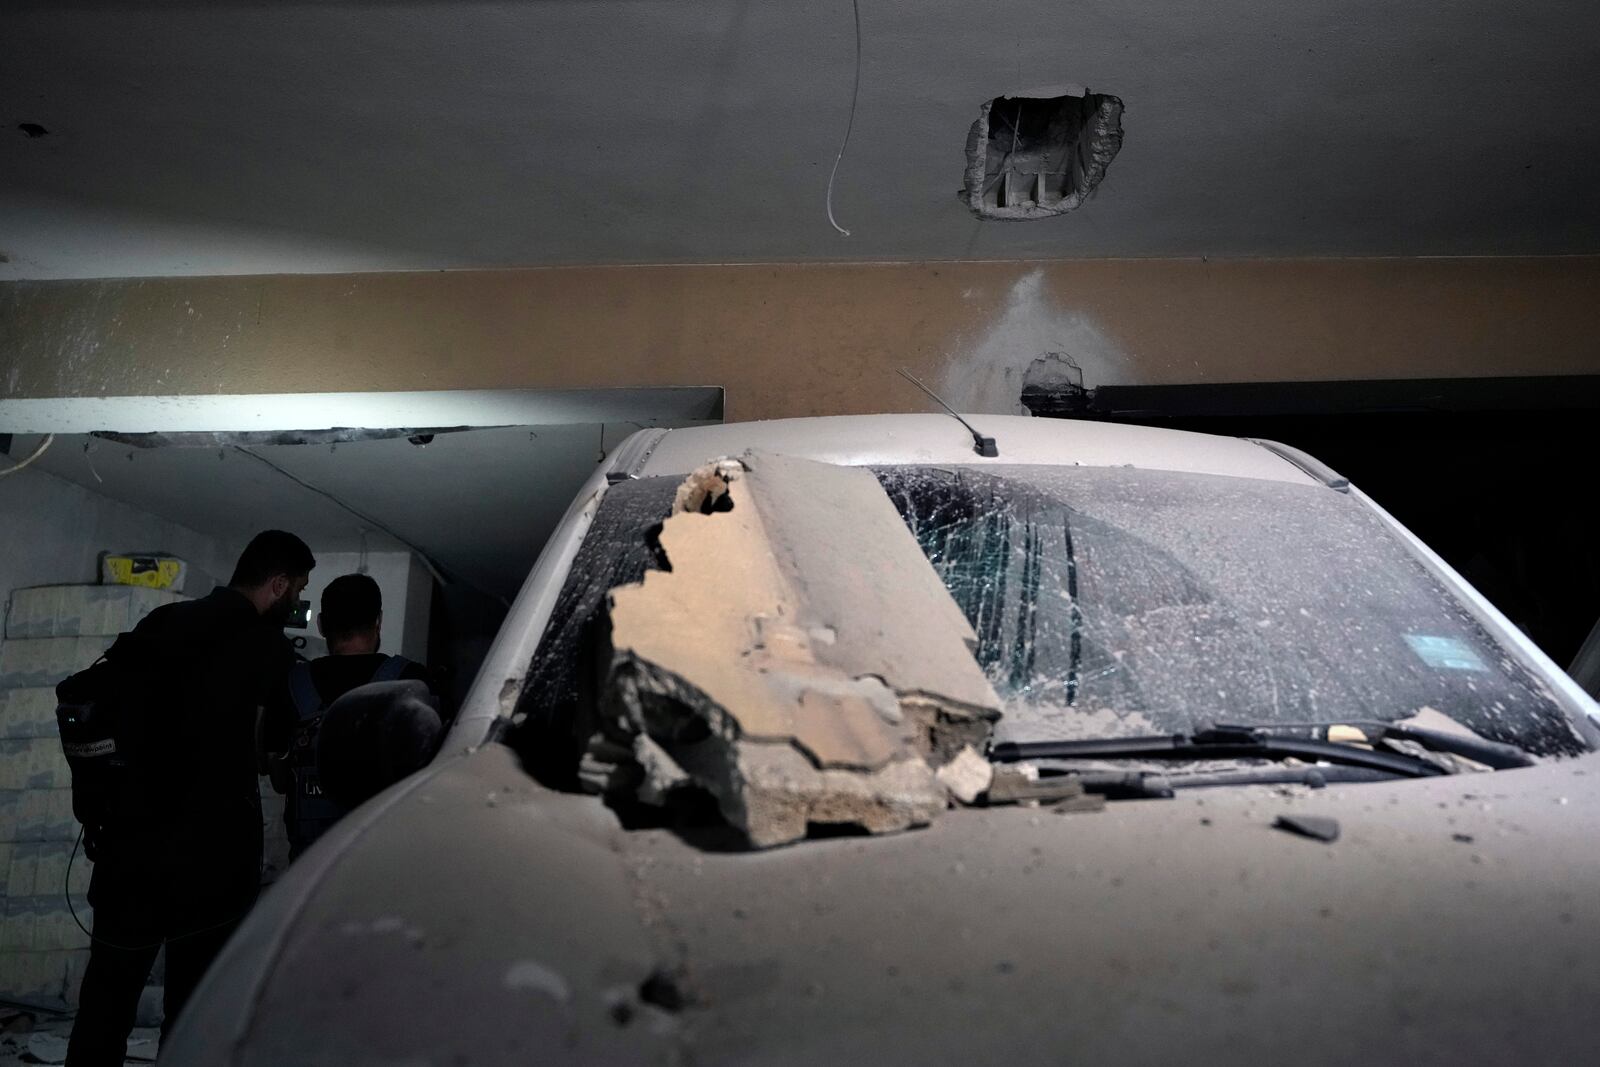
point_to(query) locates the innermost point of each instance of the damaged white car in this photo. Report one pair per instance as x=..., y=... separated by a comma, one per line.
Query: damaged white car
x=841, y=740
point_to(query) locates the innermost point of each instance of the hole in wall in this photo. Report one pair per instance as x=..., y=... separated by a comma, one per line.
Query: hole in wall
x=1053, y=378
x=32, y=129
x=1034, y=154
x=664, y=988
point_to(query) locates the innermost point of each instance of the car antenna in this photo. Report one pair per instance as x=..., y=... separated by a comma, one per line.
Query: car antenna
x=982, y=445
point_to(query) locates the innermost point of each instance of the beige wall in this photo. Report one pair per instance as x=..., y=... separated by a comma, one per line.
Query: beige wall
x=804, y=339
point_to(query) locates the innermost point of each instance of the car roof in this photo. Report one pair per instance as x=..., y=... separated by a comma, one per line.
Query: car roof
x=861, y=440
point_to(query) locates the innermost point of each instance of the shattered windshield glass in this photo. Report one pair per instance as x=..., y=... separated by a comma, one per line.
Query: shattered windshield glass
x=1116, y=602
x=618, y=548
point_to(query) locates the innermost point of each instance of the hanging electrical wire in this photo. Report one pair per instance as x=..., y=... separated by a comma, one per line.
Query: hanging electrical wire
x=37, y=452
x=855, y=95
x=367, y=519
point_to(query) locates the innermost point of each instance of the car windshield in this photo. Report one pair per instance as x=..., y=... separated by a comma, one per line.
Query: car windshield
x=1114, y=601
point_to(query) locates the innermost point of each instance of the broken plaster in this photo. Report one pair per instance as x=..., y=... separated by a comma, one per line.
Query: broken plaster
x=1048, y=164
x=801, y=660
x=967, y=776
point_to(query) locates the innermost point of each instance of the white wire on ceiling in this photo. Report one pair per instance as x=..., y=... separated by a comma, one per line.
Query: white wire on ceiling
x=37, y=452
x=855, y=95
x=422, y=556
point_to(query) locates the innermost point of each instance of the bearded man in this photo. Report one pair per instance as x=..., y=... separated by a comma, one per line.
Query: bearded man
x=177, y=855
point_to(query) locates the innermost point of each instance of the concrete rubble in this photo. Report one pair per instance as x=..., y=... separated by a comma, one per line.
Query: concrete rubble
x=800, y=660
x=1316, y=827
x=29, y=1038
x=967, y=777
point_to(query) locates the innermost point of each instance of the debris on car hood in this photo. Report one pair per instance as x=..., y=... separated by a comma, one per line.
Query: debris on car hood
x=945, y=947
x=1011, y=785
x=967, y=776
x=800, y=660
x=1316, y=827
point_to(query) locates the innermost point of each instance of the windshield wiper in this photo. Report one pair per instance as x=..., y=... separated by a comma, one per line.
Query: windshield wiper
x=1148, y=785
x=1494, y=754
x=1214, y=743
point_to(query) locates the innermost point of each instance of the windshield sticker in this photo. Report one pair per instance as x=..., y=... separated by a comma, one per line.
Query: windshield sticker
x=1445, y=653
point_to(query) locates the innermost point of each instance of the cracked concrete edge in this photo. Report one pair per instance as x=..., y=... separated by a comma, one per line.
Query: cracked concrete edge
x=823, y=750
x=1104, y=140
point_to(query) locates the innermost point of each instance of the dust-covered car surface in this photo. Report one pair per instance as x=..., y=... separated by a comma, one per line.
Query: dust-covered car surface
x=832, y=740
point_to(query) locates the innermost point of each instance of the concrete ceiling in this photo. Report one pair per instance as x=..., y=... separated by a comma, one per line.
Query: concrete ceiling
x=480, y=503
x=248, y=137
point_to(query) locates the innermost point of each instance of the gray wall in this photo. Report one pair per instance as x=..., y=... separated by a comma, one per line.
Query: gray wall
x=53, y=532
x=407, y=590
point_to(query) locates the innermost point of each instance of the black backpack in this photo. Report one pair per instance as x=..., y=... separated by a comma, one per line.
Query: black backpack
x=113, y=718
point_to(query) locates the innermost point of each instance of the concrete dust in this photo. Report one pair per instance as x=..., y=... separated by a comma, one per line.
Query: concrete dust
x=987, y=376
x=539, y=978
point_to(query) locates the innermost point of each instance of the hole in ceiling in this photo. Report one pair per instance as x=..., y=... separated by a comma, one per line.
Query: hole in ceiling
x=1039, y=153
x=32, y=129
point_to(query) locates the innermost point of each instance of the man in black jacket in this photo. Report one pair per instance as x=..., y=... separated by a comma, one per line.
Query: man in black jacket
x=177, y=860
x=351, y=620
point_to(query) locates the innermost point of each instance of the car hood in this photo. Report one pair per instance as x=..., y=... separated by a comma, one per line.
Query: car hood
x=472, y=916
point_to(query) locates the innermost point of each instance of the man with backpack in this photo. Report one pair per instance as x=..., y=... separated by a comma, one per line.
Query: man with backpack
x=160, y=735
x=351, y=620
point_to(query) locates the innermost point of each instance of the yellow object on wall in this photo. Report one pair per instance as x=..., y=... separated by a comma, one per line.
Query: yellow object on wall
x=154, y=572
